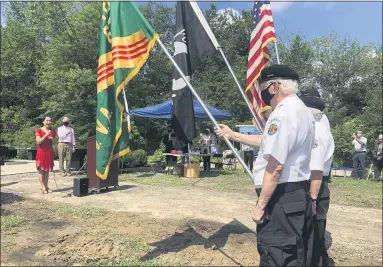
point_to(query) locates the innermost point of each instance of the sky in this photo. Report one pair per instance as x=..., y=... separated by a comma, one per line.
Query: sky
x=359, y=20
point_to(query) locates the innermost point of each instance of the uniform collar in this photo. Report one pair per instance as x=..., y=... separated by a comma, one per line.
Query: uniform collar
x=287, y=98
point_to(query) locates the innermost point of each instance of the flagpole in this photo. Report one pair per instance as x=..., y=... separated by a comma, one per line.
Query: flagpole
x=126, y=109
x=241, y=91
x=276, y=51
x=204, y=107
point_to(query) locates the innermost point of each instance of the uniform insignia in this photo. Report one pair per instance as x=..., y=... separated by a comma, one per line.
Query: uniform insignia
x=315, y=145
x=272, y=129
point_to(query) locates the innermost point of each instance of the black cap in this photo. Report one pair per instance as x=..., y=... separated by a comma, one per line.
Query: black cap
x=309, y=92
x=278, y=71
x=312, y=99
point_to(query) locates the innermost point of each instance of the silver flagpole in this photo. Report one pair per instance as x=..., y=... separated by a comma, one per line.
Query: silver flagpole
x=241, y=91
x=276, y=51
x=126, y=109
x=211, y=35
x=204, y=107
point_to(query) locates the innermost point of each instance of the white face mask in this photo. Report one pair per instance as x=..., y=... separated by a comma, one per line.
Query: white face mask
x=358, y=135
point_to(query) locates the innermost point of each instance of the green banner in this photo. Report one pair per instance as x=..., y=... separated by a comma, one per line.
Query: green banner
x=125, y=42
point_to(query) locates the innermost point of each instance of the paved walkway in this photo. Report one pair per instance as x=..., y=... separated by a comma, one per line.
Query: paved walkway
x=22, y=166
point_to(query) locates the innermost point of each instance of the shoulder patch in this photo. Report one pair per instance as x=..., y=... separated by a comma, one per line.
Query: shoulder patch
x=272, y=129
x=315, y=144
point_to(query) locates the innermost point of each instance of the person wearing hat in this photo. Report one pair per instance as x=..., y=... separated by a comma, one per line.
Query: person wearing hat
x=66, y=146
x=281, y=171
x=206, y=143
x=320, y=166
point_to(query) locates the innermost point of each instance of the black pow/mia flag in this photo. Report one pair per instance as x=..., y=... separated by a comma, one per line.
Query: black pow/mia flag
x=191, y=45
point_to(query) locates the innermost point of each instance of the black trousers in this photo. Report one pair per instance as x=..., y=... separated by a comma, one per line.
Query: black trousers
x=358, y=164
x=317, y=249
x=378, y=166
x=206, y=160
x=282, y=238
x=249, y=159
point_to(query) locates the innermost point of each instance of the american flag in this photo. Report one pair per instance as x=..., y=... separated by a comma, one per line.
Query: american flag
x=262, y=33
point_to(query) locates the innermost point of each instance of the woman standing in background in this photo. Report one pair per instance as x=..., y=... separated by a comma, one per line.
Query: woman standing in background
x=44, y=157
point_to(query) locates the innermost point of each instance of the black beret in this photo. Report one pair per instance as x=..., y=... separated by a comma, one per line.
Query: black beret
x=278, y=71
x=311, y=98
x=310, y=92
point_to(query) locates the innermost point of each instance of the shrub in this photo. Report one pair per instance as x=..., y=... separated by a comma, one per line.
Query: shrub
x=22, y=154
x=135, y=158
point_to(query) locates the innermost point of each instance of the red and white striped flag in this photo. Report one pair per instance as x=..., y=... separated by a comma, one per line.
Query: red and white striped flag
x=263, y=32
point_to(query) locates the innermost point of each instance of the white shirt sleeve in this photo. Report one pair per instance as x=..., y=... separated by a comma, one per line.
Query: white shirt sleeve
x=277, y=139
x=318, y=155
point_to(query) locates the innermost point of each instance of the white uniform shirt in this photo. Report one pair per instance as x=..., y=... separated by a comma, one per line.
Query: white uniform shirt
x=288, y=137
x=323, y=149
x=247, y=148
x=359, y=147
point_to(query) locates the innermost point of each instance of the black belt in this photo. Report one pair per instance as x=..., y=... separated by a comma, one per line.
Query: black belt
x=326, y=178
x=287, y=187
x=360, y=151
x=68, y=143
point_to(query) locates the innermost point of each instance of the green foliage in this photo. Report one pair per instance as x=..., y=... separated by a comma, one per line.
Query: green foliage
x=135, y=158
x=49, y=55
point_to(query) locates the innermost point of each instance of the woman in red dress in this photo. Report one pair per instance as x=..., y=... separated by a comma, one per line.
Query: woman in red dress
x=44, y=157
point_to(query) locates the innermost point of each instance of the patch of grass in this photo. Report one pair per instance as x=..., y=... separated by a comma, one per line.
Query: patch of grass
x=80, y=213
x=128, y=262
x=134, y=246
x=9, y=223
x=358, y=193
x=157, y=179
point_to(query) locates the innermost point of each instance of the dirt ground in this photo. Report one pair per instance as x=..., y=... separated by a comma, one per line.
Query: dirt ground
x=171, y=225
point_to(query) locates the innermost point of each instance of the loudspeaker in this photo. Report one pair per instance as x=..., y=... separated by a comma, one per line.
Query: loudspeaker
x=80, y=187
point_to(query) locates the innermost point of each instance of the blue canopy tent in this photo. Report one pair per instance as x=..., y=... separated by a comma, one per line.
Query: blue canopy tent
x=164, y=111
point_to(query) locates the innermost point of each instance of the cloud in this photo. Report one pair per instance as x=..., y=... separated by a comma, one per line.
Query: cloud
x=280, y=6
x=229, y=13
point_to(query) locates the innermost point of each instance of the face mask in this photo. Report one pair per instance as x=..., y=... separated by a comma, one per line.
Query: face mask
x=66, y=123
x=266, y=96
x=358, y=135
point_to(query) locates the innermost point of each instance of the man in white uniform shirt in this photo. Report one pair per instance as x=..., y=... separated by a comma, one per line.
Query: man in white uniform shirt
x=358, y=160
x=282, y=170
x=320, y=165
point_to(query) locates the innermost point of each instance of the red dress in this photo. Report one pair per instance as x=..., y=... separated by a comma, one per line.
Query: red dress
x=44, y=155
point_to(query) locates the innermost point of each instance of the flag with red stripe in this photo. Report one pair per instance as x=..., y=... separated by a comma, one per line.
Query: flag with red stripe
x=259, y=57
x=125, y=42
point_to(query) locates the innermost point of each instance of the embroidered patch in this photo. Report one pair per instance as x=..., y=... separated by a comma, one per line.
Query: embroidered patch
x=272, y=129
x=315, y=144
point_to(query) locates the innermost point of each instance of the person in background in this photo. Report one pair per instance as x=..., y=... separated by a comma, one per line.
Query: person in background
x=66, y=146
x=44, y=157
x=248, y=155
x=206, y=142
x=215, y=145
x=378, y=158
x=265, y=112
x=168, y=142
x=360, y=145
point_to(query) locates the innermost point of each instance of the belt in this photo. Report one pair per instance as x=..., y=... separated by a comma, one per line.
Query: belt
x=287, y=187
x=360, y=151
x=65, y=143
x=325, y=178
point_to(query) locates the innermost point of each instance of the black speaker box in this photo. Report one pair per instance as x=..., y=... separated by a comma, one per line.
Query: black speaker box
x=80, y=187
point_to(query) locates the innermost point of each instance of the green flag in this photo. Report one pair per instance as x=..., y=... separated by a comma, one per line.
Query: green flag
x=125, y=42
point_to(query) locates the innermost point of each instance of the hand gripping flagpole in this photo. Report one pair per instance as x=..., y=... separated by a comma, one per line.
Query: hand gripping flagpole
x=210, y=33
x=204, y=107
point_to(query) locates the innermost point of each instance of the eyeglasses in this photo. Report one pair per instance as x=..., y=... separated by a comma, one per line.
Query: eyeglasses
x=267, y=86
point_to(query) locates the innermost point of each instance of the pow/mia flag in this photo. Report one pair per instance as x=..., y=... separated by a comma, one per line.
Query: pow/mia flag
x=191, y=45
